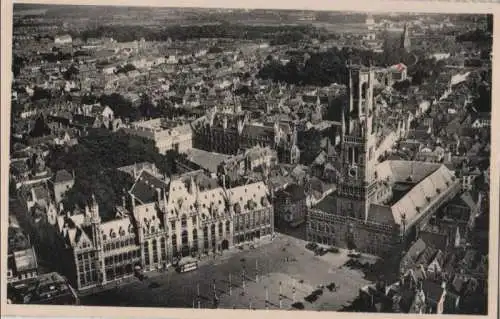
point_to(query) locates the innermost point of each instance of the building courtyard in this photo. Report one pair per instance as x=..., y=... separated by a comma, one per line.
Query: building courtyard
x=283, y=262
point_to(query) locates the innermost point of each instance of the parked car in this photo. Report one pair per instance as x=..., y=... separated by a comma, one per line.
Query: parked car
x=311, y=246
x=320, y=251
x=354, y=254
x=334, y=250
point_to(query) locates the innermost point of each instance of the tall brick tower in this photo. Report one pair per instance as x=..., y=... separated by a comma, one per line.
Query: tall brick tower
x=358, y=145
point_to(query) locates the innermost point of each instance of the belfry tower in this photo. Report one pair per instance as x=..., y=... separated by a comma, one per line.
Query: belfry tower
x=405, y=39
x=358, y=144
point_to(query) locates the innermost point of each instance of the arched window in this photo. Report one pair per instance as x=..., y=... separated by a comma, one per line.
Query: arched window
x=195, y=239
x=228, y=227
x=174, y=244
x=155, y=251
x=184, y=221
x=364, y=88
x=212, y=233
x=185, y=238
x=146, y=253
x=205, y=237
x=221, y=229
x=163, y=247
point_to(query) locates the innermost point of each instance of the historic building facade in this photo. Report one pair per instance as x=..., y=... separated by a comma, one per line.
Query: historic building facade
x=232, y=132
x=162, y=221
x=377, y=205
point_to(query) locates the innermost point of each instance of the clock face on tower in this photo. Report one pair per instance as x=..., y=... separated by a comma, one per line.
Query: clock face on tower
x=353, y=171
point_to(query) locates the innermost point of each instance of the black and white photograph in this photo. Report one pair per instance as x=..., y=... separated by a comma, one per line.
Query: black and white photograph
x=249, y=159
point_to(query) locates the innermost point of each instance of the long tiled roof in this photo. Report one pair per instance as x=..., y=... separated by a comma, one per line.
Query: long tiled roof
x=421, y=194
x=429, y=181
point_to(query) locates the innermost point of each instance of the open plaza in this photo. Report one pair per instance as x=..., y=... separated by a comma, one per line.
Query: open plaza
x=245, y=279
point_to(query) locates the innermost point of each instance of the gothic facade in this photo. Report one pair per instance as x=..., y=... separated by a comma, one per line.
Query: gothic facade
x=230, y=133
x=162, y=222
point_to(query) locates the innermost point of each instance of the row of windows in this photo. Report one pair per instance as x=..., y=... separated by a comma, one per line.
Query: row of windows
x=251, y=225
x=257, y=216
x=322, y=227
x=123, y=257
x=86, y=265
x=119, y=244
x=87, y=255
x=88, y=278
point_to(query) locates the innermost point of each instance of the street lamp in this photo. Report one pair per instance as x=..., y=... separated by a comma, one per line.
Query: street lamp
x=267, y=297
x=256, y=270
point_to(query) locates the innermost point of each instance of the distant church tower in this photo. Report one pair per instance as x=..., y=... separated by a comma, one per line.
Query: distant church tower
x=358, y=143
x=405, y=39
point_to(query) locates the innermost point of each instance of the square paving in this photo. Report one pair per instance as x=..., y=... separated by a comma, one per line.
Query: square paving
x=284, y=260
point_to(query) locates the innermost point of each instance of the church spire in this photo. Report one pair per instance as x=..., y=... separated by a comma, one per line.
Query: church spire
x=405, y=39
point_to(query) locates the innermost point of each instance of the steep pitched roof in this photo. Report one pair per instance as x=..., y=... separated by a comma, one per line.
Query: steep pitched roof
x=145, y=187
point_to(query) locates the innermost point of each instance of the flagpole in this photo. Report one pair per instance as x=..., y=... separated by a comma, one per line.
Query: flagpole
x=256, y=270
x=267, y=297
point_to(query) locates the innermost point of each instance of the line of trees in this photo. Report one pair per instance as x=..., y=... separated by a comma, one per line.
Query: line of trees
x=324, y=68
x=182, y=33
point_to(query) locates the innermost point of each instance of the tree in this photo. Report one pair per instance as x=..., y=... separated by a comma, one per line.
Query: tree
x=402, y=86
x=40, y=128
x=101, y=177
x=121, y=106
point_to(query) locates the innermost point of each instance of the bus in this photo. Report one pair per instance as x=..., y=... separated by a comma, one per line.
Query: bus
x=187, y=264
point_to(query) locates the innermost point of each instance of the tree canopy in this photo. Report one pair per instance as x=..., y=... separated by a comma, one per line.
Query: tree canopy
x=101, y=177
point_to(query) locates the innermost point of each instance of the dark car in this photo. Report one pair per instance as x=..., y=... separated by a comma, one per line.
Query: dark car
x=320, y=251
x=311, y=246
x=298, y=305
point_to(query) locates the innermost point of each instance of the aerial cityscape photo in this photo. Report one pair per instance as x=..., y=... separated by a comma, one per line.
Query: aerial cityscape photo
x=250, y=159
